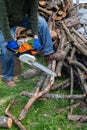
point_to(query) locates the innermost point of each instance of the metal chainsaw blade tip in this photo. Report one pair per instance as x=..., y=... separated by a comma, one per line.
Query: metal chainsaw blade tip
x=29, y=59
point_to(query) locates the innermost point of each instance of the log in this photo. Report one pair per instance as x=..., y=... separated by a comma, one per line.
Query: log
x=68, y=107
x=81, y=48
x=79, y=35
x=36, y=95
x=60, y=47
x=85, y=28
x=83, y=80
x=41, y=81
x=45, y=11
x=72, y=78
x=31, y=72
x=80, y=65
x=62, y=85
x=66, y=5
x=81, y=42
x=60, y=63
x=42, y=3
x=56, y=96
x=53, y=69
x=71, y=21
x=5, y=122
x=58, y=18
x=47, y=78
x=15, y=120
x=80, y=118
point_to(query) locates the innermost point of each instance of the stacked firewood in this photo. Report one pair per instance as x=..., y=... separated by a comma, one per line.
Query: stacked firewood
x=57, y=9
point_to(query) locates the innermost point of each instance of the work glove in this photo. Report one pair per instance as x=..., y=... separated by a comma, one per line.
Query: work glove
x=36, y=44
x=12, y=45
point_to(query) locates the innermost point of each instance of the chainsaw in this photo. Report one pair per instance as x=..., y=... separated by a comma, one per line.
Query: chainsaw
x=26, y=54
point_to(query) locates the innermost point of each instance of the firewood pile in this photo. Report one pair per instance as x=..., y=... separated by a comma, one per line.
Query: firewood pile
x=57, y=9
x=63, y=25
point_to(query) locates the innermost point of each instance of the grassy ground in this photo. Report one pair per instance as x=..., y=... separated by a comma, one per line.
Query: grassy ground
x=43, y=115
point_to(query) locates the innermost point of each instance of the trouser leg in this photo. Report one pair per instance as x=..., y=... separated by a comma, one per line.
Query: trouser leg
x=6, y=58
x=44, y=36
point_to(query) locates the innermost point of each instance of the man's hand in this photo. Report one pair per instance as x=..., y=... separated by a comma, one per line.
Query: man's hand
x=12, y=45
x=36, y=44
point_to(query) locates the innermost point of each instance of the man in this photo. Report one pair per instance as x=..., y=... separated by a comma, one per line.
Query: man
x=22, y=13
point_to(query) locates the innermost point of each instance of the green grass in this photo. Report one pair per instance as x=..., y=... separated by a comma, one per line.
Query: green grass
x=43, y=115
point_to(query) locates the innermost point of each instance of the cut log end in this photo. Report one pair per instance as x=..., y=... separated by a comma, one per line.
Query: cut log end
x=9, y=122
x=5, y=122
x=59, y=74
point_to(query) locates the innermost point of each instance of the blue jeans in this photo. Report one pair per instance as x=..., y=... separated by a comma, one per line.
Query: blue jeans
x=7, y=57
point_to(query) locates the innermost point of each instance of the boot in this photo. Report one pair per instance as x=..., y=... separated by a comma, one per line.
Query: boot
x=59, y=55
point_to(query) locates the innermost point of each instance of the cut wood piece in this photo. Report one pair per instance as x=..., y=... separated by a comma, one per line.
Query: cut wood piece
x=47, y=78
x=83, y=80
x=60, y=63
x=79, y=35
x=31, y=72
x=53, y=34
x=55, y=17
x=72, y=78
x=5, y=122
x=66, y=5
x=80, y=118
x=80, y=48
x=42, y=3
x=62, y=13
x=45, y=11
x=62, y=85
x=56, y=96
x=40, y=82
x=71, y=21
x=80, y=65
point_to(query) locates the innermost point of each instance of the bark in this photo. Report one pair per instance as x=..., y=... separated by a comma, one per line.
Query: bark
x=5, y=122
x=81, y=42
x=79, y=35
x=47, y=78
x=56, y=96
x=80, y=65
x=83, y=80
x=41, y=81
x=45, y=11
x=62, y=85
x=60, y=63
x=72, y=78
x=80, y=118
x=81, y=48
x=31, y=72
x=71, y=21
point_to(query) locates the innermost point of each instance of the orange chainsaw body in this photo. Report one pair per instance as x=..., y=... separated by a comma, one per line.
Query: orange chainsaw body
x=26, y=47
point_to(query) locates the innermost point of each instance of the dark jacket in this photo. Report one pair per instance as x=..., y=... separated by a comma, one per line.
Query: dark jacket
x=12, y=12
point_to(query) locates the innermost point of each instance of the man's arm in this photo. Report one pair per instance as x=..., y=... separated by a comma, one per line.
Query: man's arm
x=4, y=23
x=33, y=18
